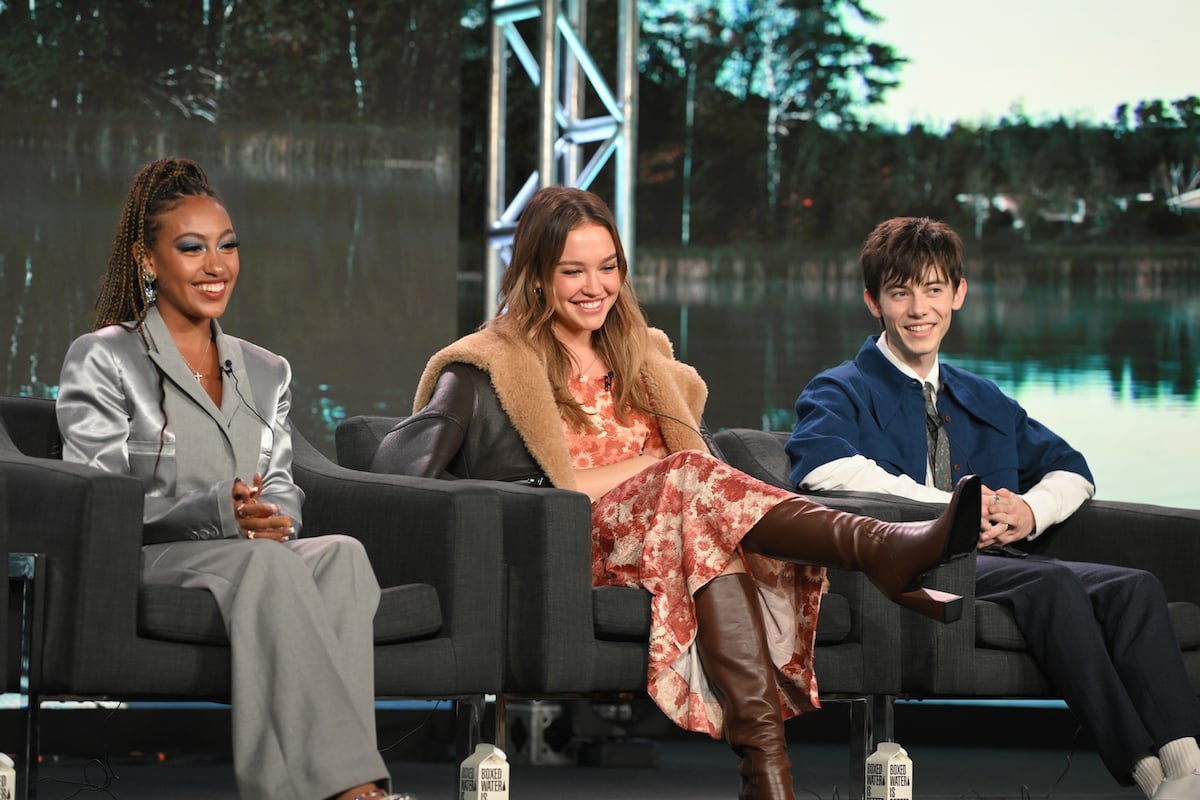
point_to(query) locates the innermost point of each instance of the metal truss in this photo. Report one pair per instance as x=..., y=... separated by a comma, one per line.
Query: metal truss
x=572, y=148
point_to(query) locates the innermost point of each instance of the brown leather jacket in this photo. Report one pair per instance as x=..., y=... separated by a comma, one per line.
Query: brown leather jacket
x=463, y=432
x=484, y=409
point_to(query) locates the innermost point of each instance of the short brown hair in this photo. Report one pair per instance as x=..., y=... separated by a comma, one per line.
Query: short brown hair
x=903, y=250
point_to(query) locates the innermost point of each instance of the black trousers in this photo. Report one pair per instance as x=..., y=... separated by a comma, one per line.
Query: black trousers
x=1102, y=636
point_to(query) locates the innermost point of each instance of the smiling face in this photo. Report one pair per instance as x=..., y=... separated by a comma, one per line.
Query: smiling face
x=194, y=259
x=916, y=316
x=587, y=280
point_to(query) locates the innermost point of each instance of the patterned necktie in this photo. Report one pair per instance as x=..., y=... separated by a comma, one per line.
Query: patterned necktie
x=938, y=443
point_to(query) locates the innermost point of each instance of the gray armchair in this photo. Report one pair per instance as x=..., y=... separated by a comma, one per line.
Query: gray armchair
x=568, y=638
x=6, y=679
x=984, y=654
x=4, y=640
x=434, y=545
x=988, y=657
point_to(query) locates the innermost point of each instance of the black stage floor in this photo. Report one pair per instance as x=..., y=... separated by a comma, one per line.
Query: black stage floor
x=959, y=752
x=695, y=769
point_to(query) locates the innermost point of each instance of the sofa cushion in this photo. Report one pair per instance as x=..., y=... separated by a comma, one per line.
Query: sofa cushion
x=833, y=623
x=30, y=427
x=620, y=613
x=996, y=628
x=357, y=438
x=406, y=613
x=757, y=453
x=1185, y=619
x=176, y=614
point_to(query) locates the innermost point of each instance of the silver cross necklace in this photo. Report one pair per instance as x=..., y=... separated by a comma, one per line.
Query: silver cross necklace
x=197, y=374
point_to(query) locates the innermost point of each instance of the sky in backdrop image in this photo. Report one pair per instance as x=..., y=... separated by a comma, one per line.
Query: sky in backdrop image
x=975, y=60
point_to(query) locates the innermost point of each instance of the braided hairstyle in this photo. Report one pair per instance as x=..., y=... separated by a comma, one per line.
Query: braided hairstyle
x=156, y=188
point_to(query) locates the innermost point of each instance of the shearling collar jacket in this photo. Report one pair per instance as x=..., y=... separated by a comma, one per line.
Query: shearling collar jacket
x=460, y=429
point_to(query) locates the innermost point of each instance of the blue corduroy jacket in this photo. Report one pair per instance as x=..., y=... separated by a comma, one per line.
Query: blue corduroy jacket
x=868, y=407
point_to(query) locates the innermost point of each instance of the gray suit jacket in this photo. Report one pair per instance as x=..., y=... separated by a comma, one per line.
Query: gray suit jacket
x=128, y=403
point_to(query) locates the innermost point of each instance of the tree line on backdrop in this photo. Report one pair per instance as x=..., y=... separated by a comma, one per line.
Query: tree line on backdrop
x=753, y=116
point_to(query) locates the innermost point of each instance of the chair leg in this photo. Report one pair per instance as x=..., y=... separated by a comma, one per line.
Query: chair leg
x=883, y=719
x=28, y=773
x=872, y=722
x=472, y=728
x=860, y=747
x=28, y=569
x=500, y=726
x=469, y=712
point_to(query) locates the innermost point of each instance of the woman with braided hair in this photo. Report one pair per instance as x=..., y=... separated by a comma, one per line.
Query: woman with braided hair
x=158, y=391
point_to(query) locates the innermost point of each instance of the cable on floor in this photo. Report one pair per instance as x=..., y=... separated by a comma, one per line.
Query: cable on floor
x=88, y=784
x=437, y=705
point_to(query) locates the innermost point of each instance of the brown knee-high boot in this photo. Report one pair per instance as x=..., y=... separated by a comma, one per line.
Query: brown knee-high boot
x=893, y=555
x=732, y=643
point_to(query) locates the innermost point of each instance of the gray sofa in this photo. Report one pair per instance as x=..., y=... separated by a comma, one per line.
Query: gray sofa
x=566, y=638
x=984, y=655
x=435, y=547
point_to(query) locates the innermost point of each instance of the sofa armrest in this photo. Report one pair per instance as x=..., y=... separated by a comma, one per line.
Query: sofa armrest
x=89, y=525
x=1159, y=539
x=883, y=628
x=899, y=640
x=548, y=553
x=550, y=627
x=935, y=657
x=5, y=637
x=759, y=454
x=420, y=530
x=357, y=438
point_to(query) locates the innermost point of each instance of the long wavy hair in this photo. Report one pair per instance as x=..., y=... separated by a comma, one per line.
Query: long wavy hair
x=156, y=188
x=538, y=245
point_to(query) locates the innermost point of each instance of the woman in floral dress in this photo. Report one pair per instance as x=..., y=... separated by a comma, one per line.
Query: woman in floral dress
x=580, y=393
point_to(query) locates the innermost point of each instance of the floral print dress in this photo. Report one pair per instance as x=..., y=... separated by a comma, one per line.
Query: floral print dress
x=671, y=529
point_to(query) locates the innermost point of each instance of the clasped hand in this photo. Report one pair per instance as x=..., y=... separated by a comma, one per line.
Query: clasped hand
x=1006, y=518
x=259, y=520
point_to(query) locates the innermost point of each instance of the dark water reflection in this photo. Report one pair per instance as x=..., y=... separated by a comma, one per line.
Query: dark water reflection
x=1104, y=350
x=352, y=274
x=347, y=271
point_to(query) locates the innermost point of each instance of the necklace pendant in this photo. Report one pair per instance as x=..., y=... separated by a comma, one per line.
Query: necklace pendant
x=197, y=376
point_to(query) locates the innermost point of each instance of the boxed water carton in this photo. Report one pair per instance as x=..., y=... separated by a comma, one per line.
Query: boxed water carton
x=8, y=778
x=889, y=773
x=484, y=774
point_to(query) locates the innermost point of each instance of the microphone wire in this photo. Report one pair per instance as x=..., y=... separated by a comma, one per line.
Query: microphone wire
x=227, y=368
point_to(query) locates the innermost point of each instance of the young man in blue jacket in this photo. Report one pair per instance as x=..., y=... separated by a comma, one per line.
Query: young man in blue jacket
x=896, y=420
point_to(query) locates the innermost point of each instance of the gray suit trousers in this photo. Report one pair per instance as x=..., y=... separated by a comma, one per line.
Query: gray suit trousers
x=300, y=620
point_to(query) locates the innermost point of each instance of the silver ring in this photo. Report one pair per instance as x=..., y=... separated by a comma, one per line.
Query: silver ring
x=249, y=534
x=995, y=499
